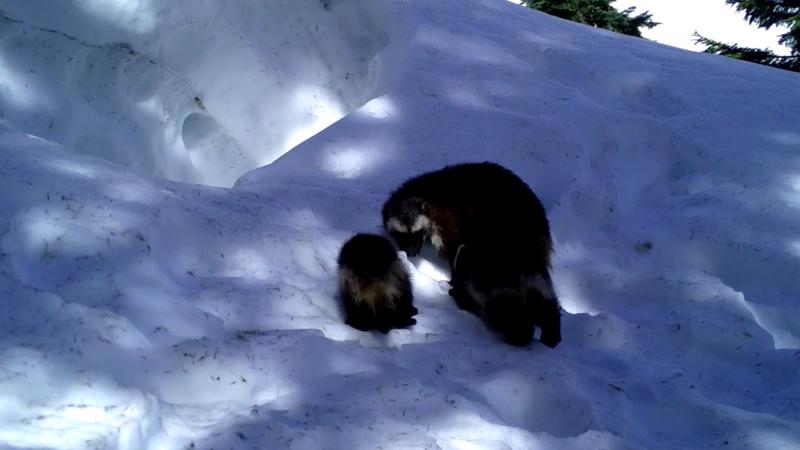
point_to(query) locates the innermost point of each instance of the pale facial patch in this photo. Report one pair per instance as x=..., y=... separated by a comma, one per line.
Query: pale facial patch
x=421, y=223
x=395, y=225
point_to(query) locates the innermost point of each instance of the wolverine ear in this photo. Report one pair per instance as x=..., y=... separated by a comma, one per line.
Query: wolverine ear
x=426, y=208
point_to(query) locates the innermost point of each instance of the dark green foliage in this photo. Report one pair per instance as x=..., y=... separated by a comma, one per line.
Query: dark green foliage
x=598, y=13
x=756, y=55
x=765, y=14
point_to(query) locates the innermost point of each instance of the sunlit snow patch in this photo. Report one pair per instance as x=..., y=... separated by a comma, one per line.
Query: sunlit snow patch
x=432, y=271
x=15, y=90
x=200, y=100
x=318, y=110
x=138, y=16
x=352, y=162
x=380, y=108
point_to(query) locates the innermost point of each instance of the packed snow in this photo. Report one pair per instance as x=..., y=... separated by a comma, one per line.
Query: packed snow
x=164, y=287
x=188, y=91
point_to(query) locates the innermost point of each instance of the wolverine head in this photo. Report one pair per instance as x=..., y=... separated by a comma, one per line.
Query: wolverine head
x=369, y=256
x=407, y=221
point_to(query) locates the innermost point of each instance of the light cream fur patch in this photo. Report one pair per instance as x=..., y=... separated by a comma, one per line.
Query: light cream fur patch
x=395, y=225
x=436, y=238
x=421, y=223
x=373, y=292
x=458, y=253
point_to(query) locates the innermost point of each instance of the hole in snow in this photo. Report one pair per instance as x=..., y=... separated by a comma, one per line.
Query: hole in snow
x=201, y=95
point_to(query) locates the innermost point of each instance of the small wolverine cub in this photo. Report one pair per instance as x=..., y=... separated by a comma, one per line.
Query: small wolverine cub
x=374, y=285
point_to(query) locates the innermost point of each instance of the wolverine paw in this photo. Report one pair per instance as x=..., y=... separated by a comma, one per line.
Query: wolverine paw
x=550, y=339
x=358, y=325
x=407, y=323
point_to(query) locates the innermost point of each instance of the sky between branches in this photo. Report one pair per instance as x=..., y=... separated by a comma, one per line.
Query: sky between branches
x=714, y=19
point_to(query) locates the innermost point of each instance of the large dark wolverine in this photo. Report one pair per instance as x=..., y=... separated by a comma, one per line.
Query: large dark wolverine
x=448, y=205
x=374, y=285
x=493, y=216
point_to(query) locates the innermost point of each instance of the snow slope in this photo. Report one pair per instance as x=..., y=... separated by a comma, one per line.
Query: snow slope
x=194, y=92
x=141, y=313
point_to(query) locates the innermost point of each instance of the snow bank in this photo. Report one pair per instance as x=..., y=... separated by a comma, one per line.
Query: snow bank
x=190, y=92
x=141, y=313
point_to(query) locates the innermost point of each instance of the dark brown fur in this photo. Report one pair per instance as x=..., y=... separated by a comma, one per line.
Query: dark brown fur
x=512, y=299
x=489, y=210
x=472, y=201
x=374, y=286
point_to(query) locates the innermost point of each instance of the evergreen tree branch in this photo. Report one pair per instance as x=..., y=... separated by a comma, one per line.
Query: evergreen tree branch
x=755, y=55
x=597, y=13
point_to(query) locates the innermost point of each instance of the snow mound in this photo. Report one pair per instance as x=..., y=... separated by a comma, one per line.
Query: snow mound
x=142, y=313
x=190, y=92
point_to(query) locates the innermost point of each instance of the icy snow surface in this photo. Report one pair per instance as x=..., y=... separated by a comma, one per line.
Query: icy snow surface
x=141, y=313
x=190, y=91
